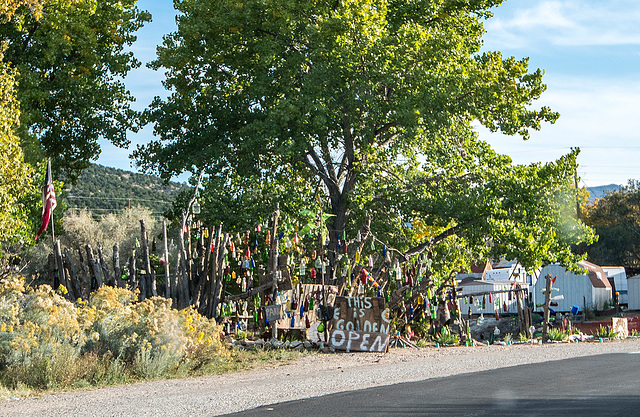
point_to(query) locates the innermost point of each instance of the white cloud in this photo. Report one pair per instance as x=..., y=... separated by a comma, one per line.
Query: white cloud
x=566, y=23
x=598, y=115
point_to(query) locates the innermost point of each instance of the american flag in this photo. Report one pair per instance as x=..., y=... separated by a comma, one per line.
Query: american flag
x=48, y=201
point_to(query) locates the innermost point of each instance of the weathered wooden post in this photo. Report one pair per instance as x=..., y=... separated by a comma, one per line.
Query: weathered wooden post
x=117, y=271
x=103, y=267
x=168, y=281
x=547, y=301
x=86, y=278
x=77, y=288
x=273, y=267
x=95, y=268
x=150, y=279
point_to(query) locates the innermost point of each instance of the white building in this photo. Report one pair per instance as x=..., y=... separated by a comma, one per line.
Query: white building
x=591, y=289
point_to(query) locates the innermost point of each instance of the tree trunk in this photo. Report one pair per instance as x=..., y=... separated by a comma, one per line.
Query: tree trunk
x=133, y=278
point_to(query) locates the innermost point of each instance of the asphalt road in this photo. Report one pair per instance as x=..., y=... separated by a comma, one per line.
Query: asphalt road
x=602, y=385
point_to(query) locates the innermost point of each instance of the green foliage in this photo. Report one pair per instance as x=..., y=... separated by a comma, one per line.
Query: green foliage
x=345, y=98
x=102, y=190
x=605, y=333
x=70, y=57
x=615, y=219
x=445, y=337
x=491, y=208
x=558, y=334
x=15, y=174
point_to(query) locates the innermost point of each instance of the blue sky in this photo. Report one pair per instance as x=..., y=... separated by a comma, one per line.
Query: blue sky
x=589, y=49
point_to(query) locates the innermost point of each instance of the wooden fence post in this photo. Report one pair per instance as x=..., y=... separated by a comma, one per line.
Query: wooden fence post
x=167, y=279
x=72, y=274
x=150, y=279
x=95, y=269
x=547, y=301
x=117, y=271
x=103, y=267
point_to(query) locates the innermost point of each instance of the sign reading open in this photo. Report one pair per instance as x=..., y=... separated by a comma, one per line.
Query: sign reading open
x=359, y=324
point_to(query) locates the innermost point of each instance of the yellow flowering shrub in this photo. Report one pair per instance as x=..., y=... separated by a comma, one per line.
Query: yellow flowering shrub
x=42, y=335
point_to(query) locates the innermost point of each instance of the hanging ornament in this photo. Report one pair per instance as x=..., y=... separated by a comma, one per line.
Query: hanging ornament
x=206, y=233
x=281, y=236
x=258, y=228
x=384, y=251
x=295, y=238
x=301, y=310
x=246, y=237
x=268, y=239
x=314, y=255
x=357, y=257
x=247, y=253
x=244, y=284
x=484, y=301
x=373, y=246
x=497, y=315
x=490, y=298
x=307, y=323
x=321, y=327
x=338, y=244
x=303, y=268
x=359, y=236
x=363, y=274
x=504, y=306
x=370, y=261
x=313, y=273
x=293, y=320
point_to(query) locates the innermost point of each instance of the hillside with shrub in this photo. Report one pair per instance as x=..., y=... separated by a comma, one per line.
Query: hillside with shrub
x=104, y=190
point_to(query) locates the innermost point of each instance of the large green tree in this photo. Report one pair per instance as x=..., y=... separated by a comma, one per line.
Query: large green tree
x=616, y=220
x=70, y=58
x=15, y=174
x=351, y=94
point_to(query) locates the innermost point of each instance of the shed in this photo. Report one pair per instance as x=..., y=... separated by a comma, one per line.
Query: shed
x=634, y=292
x=618, y=275
x=590, y=289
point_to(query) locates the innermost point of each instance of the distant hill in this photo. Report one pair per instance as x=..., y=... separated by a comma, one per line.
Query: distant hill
x=601, y=191
x=105, y=190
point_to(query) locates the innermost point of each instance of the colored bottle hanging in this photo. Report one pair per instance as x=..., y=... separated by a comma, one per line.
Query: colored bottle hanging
x=370, y=261
x=295, y=238
x=313, y=273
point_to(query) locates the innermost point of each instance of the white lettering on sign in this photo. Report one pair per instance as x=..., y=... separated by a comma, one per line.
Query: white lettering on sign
x=359, y=341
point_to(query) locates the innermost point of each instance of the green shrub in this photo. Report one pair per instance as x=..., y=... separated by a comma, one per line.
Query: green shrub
x=445, y=337
x=557, y=334
x=605, y=333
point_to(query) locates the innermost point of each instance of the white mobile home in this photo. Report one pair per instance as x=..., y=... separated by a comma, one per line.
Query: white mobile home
x=591, y=289
x=634, y=292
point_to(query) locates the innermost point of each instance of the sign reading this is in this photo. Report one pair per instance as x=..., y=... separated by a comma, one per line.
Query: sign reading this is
x=360, y=324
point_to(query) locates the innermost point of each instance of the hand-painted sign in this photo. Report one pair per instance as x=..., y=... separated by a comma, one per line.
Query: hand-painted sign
x=273, y=312
x=360, y=324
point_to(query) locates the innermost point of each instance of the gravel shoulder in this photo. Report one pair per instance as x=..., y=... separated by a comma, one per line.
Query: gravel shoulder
x=310, y=376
